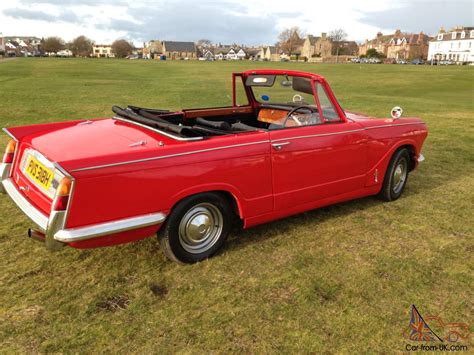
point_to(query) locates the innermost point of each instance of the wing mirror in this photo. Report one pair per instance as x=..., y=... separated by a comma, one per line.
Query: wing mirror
x=396, y=112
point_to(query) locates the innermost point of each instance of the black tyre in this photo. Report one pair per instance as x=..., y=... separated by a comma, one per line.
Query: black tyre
x=196, y=228
x=396, y=176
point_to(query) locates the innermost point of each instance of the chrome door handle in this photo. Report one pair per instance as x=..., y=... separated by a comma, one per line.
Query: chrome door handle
x=278, y=146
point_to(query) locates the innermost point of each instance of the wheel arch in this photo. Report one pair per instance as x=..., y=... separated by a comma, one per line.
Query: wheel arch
x=411, y=151
x=230, y=193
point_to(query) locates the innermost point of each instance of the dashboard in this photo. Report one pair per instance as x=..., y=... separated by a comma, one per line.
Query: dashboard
x=278, y=117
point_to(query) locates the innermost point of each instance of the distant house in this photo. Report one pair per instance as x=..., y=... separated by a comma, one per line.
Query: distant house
x=208, y=54
x=398, y=45
x=241, y=54
x=345, y=48
x=21, y=46
x=235, y=54
x=309, y=46
x=231, y=55
x=179, y=50
x=152, y=49
x=323, y=46
x=2, y=44
x=253, y=53
x=221, y=51
x=457, y=45
x=272, y=53
x=102, y=51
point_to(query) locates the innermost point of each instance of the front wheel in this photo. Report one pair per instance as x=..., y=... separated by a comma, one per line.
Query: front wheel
x=396, y=176
x=196, y=228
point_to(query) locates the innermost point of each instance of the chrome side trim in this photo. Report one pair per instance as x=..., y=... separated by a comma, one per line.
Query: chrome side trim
x=344, y=132
x=319, y=135
x=167, y=134
x=5, y=170
x=393, y=125
x=99, y=230
x=32, y=212
x=169, y=156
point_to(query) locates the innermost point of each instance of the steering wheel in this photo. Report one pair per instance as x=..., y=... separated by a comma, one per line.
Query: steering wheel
x=293, y=110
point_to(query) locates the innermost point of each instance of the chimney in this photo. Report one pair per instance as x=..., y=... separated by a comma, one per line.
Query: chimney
x=323, y=35
x=379, y=34
x=441, y=30
x=398, y=33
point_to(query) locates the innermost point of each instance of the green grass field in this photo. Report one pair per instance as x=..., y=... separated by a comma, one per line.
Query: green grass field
x=337, y=279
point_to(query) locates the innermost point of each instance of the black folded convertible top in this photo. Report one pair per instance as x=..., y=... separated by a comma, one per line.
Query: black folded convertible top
x=155, y=122
x=200, y=127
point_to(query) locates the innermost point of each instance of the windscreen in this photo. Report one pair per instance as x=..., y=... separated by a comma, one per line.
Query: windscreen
x=281, y=89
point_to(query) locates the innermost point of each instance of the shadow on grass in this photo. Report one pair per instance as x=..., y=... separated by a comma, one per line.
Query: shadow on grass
x=417, y=184
x=240, y=238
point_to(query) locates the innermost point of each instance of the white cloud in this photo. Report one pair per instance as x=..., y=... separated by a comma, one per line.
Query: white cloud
x=242, y=21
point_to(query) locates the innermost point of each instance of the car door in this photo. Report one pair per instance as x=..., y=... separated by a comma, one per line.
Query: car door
x=311, y=163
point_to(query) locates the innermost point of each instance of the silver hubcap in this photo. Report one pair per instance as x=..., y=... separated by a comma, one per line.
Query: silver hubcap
x=399, y=176
x=200, y=228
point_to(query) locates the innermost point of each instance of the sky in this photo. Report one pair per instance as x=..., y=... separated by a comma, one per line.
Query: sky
x=250, y=22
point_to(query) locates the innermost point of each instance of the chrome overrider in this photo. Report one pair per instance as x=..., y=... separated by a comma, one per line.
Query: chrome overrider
x=53, y=226
x=4, y=174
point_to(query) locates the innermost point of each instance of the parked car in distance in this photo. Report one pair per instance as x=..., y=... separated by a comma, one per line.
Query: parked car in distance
x=189, y=176
x=417, y=61
x=355, y=60
x=447, y=62
x=375, y=61
x=401, y=61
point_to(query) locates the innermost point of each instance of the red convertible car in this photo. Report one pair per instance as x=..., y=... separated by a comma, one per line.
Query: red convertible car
x=189, y=175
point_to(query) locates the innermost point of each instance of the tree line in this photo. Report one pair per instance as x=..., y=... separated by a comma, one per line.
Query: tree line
x=82, y=46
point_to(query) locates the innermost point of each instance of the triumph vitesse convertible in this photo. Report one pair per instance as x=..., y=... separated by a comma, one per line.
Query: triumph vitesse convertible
x=189, y=175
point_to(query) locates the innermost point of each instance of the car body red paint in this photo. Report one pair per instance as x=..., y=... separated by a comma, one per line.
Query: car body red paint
x=116, y=178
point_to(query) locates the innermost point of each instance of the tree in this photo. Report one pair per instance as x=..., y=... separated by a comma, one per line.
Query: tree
x=204, y=43
x=52, y=44
x=337, y=36
x=372, y=53
x=81, y=46
x=290, y=39
x=122, y=48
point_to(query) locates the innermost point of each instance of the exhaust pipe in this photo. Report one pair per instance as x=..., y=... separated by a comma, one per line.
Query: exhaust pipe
x=36, y=235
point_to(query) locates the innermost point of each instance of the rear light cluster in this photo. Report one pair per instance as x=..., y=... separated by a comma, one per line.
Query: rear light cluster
x=9, y=152
x=61, y=197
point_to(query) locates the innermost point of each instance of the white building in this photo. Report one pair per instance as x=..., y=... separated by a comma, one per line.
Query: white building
x=102, y=51
x=2, y=44
x=236, y=54
x=456, y=45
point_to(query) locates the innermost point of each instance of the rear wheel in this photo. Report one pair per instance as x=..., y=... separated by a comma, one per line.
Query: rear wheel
x=196, y=228
x=396, y=176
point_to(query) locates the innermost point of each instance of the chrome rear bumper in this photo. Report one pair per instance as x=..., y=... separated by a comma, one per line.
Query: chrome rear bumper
x=53, y=226
x=99, y=230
